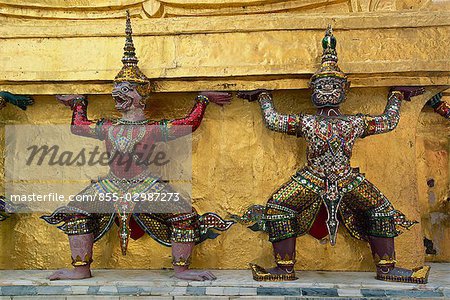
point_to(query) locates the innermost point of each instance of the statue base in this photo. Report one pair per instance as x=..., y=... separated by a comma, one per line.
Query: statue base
x=231, y=284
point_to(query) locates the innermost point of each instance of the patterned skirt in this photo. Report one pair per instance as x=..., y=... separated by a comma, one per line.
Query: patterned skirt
x=298, y=207
x=97, y=217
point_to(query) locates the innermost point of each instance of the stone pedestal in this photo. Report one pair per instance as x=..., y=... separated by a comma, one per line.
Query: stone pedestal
x=230, y=284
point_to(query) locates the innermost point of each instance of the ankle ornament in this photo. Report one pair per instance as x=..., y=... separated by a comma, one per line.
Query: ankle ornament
x=181, y=262
x=287, y=263
x=80, y=262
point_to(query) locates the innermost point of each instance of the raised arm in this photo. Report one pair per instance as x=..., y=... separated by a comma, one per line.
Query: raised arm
x=171, y=129
x=440, y=106
x=81, y=125
x=290, y=124
x=20, y=101
x=388, y=121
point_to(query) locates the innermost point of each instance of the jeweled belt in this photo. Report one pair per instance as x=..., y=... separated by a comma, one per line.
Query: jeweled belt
x=123, y=206
x=337, y=175
x=137, y=179
x=331, y=196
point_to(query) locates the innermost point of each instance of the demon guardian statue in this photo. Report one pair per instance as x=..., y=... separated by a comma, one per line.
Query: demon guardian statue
x=328, y=191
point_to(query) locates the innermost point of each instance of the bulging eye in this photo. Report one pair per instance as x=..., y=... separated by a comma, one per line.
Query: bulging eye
x=125, y=89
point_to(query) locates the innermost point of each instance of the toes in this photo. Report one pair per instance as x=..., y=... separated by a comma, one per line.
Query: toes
x=55, y=276
x=205, y=278
x=199, y=278
x=208, y=275
x=213, y=276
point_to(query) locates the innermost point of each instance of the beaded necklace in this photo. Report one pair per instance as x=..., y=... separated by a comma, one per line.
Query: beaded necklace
x=123, y=141
x=128, y=122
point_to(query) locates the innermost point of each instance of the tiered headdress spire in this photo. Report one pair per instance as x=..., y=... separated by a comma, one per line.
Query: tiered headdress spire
x=130, y=71
x=329, y=66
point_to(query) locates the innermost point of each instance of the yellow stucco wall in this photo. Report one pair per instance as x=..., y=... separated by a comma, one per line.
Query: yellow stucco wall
x=56, y=46
x=237, y=162
x=432, y=150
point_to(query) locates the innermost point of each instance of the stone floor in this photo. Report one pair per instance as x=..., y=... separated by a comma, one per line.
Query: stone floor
x=231, y=284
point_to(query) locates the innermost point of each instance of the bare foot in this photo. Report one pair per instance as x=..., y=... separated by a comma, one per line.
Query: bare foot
x=197, y=275
x=75, y=273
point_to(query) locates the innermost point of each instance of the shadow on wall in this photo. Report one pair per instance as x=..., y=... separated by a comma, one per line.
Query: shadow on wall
x=433, y=168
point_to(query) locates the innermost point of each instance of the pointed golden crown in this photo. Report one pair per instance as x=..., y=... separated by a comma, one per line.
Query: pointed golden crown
x=130, y=71
x=329, y=66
